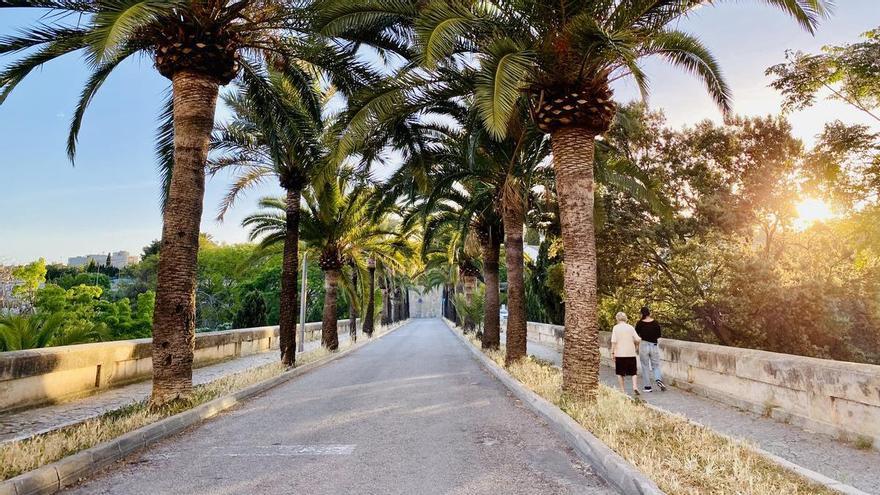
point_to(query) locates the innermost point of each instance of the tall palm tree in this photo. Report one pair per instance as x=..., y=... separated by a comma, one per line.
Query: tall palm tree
x=563, y=56
x=277, y=132
x=336, y=224
x=199, y=46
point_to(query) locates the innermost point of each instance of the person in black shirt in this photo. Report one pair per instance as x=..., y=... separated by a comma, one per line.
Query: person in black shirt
x=649, y=350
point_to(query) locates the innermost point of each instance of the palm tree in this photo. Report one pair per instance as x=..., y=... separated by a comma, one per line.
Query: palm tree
x=337, y=225
x=459, y=198
x=563, y=56
x=199, y=46
x=19, y=332
x=277, y=132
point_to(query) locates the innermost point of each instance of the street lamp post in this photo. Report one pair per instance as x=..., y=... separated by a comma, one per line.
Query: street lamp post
x=300, y=345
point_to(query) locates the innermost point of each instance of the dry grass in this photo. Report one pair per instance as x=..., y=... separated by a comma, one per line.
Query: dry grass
x=25, y=455
x=682, y=458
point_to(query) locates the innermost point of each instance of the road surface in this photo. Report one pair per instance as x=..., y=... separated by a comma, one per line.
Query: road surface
x=412, y=413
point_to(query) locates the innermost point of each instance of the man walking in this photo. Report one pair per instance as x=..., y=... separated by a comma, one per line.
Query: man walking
x=649, y=351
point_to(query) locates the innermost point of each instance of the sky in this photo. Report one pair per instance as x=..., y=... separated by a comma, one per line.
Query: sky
x=109, y=200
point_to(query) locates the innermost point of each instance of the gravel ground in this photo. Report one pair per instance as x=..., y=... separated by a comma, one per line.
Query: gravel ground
x=411, y=414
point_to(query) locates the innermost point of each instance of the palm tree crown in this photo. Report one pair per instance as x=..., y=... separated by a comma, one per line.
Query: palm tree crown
x=213, y=38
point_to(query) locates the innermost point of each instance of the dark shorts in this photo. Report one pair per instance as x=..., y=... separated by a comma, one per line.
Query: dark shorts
x=625, y=366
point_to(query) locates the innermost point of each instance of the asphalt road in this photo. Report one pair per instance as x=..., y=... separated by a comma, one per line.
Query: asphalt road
x=411, y=414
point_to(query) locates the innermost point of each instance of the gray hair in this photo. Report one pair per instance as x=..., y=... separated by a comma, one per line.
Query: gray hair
x=621, y=317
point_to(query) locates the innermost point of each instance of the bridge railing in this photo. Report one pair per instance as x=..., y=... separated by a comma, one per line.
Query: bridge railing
x=52, y=374
x=833, y=397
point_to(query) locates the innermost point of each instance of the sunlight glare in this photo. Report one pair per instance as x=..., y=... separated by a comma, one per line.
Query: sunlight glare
x=810, y=211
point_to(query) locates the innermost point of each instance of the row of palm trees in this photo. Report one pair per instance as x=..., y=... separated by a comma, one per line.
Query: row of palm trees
x=515, y=79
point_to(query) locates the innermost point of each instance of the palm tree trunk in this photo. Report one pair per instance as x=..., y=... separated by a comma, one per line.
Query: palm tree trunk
x=573, y=149
x=458, y=289
x=384, y=313
x=491, y=316
x=470, y=282
x=195, y=99
x=516, y=292
x=329, y=327
x=453, y=314
x=352, y=309
x=289, y=265
x=392, y=304
x=406, y=303
x=371, y=304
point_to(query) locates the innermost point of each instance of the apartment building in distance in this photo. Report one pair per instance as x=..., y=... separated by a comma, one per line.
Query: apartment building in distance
x=119, y=259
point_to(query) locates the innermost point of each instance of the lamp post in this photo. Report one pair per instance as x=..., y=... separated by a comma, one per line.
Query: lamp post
x=300, y=345
x=371, y=298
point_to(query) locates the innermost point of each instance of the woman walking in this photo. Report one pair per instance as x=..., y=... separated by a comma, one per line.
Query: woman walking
x=624, y=341
x=649, y=351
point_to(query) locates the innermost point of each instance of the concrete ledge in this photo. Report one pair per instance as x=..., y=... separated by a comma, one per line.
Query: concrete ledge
x=52, y=478
x=836, y=398
x=613, y=468
x=35, y=377
x=556, y=341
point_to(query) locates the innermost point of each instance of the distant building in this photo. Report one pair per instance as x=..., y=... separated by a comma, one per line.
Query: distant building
x=119, y=259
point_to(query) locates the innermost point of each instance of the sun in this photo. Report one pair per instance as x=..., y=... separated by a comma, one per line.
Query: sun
x=812, y=210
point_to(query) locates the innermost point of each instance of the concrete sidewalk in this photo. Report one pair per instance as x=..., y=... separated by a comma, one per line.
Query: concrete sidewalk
x=29, y=422
x=813, y=451
x=412, y=413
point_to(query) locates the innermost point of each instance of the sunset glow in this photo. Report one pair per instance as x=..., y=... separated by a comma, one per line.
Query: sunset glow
x=812, y=210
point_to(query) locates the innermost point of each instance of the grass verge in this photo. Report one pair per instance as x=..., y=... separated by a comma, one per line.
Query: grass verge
x=25, y=455
x=682, y=458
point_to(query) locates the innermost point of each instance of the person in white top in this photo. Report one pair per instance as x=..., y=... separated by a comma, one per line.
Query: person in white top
x=624, y=342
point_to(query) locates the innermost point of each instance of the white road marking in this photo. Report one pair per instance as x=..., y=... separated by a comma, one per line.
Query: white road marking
x=264, y=451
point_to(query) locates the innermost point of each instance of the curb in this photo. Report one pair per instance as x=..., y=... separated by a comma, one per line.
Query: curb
x=64, y=472
x=818, y=478
x=610, y=466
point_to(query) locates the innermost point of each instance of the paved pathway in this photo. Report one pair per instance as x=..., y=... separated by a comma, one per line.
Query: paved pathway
x=410, y=413
x=30, y=422
x=814, y=451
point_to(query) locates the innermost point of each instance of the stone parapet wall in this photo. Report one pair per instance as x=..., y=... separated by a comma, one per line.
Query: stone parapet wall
x=52, y=374
x=832, y=397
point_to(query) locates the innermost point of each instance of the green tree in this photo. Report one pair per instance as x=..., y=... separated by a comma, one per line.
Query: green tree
x=472, y=306
x=848, y=72
x=151, y=249
x=337, y=225
x=19, y=332
x=532, y=237
x=56, y=271
x=844, y=164
x=29, y=278
x=252, y=312
x=68, y=281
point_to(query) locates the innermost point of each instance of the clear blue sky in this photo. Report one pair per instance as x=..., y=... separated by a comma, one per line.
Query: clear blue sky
x=109, y=200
